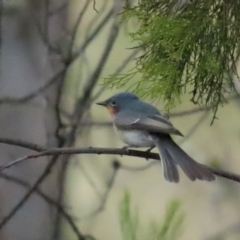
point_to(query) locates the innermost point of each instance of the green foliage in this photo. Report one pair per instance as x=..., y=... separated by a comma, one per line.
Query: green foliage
x=194, y=46
x=170, y=229
x=129, y=224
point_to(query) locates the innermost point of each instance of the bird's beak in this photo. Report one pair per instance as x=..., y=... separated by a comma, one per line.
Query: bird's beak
x=103, y=103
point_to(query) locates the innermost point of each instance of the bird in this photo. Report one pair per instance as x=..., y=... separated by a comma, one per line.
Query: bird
x=140, y=124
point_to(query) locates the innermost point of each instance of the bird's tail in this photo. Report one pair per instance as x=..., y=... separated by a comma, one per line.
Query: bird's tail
x=172, y=155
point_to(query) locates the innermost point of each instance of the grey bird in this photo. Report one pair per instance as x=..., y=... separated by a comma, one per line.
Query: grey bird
x=139, y=124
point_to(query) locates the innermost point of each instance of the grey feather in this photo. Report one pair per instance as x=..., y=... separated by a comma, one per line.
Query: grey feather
x=190, y=167
x=170, y=170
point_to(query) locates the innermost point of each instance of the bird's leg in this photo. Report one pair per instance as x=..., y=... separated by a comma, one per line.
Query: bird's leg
x=150, y=149
x=126, y=147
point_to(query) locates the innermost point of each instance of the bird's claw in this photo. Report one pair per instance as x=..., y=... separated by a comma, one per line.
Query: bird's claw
x=149, y=149
x=126, y=148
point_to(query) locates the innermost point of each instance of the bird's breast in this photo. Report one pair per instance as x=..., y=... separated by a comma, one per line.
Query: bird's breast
x=135, y=138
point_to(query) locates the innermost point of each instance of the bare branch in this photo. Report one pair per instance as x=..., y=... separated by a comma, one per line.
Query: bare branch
x=46, y=41
x=35, y=93
x=88, y=178
x=117, y=71
x=23, y=144
x=29, y=193
x=112, y=151
x=45, y=197
x=94, y=6
x=115, y=166
x=136, y=169
x=77, y=24
x=94, y=20
x=193, y=129
x=92, y=35
x=84, y=102
x=200, y=109
x=58, y=9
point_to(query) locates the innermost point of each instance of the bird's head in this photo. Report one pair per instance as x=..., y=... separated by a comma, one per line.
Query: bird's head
x=117, y=102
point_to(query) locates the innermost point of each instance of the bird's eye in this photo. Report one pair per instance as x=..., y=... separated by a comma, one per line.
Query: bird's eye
x=113, y=103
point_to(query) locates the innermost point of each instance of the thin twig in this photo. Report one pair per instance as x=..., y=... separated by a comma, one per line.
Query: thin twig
x=92, y=35
x=94, y=6
x=106, y=194
x=193, y=129
x=84, y=102
x=35, y=93
x=88, y=178
x=200, y=109
x=94, y=20
x=58, y=9
x=69, y=62
x=45, y=197
x=28, y=194
x=23, y=144
x=46, y=41
x=76, y=27
x=137, y=169
x=117, y=71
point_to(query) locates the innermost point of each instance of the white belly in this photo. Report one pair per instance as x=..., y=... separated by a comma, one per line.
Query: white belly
x=136, y=138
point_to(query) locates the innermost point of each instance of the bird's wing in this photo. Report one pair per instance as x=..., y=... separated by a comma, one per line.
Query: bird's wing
x=152, y=123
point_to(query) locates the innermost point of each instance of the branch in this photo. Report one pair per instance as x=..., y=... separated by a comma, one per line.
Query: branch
x=23, y=144
x=45, y=197
x=111, y=151
x=12, y=100
x=76, y=26
x=103, y=199
x=72, y=59
x=93, y=35
x=29, y=193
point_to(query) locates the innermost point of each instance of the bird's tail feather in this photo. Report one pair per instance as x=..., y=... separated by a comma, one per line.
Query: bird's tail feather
x=172, y=155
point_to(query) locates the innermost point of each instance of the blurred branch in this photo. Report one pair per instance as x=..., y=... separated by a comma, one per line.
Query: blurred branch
x=135, y=169
x=35, y=93
x=193, y=129
x=46, y=198
x=117, y=71
x=83, y=103
x=78, y=113
x=77, y=54
x=92, y=35
x=58, y=9
x=111, y=151
x=88, y=178
x=29, y=193
x=94, y=20
x=77, y=24
x=23, y=144
x=94, y=6
x=115, y=166
x=46, y=41
x=61, y=141
x=200, y=109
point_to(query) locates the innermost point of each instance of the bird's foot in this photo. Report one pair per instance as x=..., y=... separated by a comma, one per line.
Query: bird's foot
x=126, y=147
x=150, y=149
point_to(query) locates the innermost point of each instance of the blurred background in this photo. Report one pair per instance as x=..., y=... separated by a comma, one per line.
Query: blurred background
x=54, y=57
